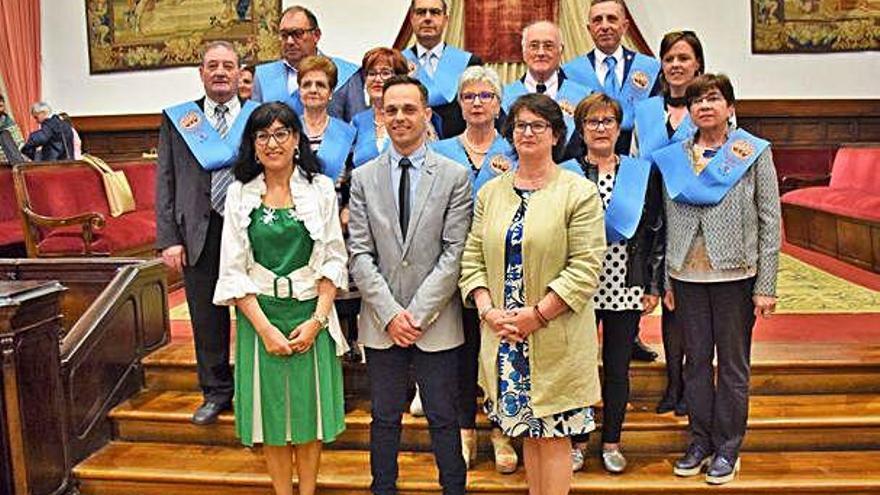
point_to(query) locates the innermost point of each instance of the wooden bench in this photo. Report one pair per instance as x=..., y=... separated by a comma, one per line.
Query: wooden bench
x=843, y=218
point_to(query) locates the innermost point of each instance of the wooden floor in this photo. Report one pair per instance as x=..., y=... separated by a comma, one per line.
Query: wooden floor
x=814, y=427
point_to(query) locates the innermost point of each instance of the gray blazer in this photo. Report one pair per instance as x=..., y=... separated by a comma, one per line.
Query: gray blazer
x=183, y=193
x=742, y=231
x=420, y=274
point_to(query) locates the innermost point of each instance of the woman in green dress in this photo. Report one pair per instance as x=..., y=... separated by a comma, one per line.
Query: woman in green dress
x=282, y=260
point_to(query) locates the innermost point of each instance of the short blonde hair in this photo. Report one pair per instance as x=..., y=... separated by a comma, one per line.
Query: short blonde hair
x=317, y=63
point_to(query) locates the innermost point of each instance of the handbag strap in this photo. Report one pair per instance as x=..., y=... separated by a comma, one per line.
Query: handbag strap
x=97, y=163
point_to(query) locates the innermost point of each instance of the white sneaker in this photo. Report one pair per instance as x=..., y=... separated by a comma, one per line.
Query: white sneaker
x=577, y=459
x=415, y=407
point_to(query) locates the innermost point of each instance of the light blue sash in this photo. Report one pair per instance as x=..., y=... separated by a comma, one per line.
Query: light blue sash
x=335, y=147
x=650, y=118
x=272, y=78
x=443, y=86
x=723, y=172
x=499, y=158
x=365, y=142
x=211, y=151
x=627, y=199
x=572, y=165
x=639, y=81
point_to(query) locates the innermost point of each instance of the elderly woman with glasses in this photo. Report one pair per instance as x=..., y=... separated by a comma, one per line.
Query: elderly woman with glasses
x=722, y=256
x=281, y=262
x=486, y=153
x=632, y=272
x=530, y=266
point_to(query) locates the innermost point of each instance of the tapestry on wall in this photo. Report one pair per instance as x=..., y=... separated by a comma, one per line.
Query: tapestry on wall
x=815, y=26
x=127, y=35
x=493, y=30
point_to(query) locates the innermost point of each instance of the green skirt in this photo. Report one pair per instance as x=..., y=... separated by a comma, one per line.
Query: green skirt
x=282, y=400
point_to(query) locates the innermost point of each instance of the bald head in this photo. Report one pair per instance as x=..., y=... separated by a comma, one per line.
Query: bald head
x=542, y=49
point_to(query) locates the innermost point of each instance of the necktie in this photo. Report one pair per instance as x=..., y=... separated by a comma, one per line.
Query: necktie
x=428, y=62
x=611, y=76
x=541, y=88
x=220, y=179
x=403, y=195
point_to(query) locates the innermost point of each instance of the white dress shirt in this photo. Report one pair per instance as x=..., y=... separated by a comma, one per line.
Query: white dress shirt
x=602, y=69
x=233, y=106
x=552, y=84
x=433, y=56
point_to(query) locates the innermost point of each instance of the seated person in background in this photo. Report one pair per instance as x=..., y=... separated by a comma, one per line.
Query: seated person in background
x=246, y=82
x=53, y=140
x=77, y=142
x=8, y=125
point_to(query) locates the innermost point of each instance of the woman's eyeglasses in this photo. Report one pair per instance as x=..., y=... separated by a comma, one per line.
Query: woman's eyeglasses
x=281, y=136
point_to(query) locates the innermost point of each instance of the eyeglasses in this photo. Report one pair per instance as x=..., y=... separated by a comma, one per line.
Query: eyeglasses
x=383, y=74
x=484, y=96
x=537, y=127
x=607, y=123
x=536, y=46
x=297, y=34
x=281, y=136
x=423, y=12
x=710, y=98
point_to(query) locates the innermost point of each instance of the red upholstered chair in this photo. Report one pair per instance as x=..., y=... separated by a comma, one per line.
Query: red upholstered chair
x=841, y=219
x=65, y=209
x=797, y=168
x=10, y=222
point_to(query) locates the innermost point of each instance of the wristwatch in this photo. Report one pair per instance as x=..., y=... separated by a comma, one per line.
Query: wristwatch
x=322, y=320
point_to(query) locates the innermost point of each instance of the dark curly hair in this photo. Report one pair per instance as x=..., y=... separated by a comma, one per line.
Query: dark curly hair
x=246, y=166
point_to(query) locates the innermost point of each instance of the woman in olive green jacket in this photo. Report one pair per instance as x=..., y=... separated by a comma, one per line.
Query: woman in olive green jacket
x=531, y=265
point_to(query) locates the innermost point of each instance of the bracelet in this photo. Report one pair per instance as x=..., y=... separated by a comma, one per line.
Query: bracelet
x=543, y=319
x=484, y=311
x=322, y=320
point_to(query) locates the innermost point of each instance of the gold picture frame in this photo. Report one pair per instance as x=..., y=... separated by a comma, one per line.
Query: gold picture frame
x=815, y=26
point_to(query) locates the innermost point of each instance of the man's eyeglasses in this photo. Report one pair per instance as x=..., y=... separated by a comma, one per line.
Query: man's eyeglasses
x=281, y=136
x=607, y=123
x=297, y=34
x=537, y=127
x=535, y=46
x=423, y=12
x=484, y=96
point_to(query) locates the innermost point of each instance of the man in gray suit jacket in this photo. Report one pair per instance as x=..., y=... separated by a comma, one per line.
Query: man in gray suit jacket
x=189, y=202
x=410, y=214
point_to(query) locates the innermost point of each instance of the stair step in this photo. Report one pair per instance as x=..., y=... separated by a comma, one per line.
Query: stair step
x=786, y=422
x=777, y=368
x=155, y=468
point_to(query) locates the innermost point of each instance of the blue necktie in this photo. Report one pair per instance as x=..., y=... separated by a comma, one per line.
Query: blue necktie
x=611, y=76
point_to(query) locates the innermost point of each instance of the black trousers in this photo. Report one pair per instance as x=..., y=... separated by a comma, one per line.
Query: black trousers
x=437, y=377
x=619, y=328
x=673, y=348
x=210, y=323
x=716, y=317
x=468, y=361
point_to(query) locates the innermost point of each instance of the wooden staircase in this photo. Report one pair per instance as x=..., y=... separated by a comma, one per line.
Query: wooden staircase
x=814, y=427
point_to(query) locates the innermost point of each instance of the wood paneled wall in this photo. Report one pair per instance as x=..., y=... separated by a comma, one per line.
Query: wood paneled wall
x=786, y=123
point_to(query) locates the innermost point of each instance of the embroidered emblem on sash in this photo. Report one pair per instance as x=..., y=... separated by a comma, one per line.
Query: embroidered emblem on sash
x=640, y=80
x=500, y=164
x=567, y=107
x=190, y=122
x=411, y=67
x=742, y=149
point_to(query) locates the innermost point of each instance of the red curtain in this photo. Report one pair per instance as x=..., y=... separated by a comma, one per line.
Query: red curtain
x=20, y=57
x=493, y=30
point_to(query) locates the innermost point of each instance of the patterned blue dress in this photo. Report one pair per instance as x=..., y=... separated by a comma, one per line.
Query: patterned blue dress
x=513, y=413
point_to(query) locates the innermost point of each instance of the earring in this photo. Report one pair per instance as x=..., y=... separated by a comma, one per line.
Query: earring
x=296, y=154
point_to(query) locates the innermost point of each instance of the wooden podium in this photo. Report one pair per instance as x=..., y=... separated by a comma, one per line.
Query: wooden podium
x=33, y=453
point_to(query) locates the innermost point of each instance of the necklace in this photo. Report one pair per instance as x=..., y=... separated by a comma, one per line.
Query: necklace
x=322, y=128
x=473, y=150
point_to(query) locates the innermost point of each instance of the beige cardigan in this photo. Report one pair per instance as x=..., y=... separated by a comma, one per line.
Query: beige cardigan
x=563, y=248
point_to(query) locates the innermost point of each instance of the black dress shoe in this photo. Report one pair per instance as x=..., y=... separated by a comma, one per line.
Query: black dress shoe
x=722, y=470
x=692, y=462
x=642, y=352
x=667, y=404
x=208, y=412
x=681, y=408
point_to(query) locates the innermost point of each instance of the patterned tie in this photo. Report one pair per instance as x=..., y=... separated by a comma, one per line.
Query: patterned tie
x=403, y=195
x=220, y=179
x=611, y=76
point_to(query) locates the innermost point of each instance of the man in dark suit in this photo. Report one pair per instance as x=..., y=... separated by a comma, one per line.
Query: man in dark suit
x=624, y=75
x=53, y=140
x=438, y=65
x=190, y=193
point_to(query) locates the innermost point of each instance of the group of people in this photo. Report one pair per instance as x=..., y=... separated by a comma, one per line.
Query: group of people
x=488, y=230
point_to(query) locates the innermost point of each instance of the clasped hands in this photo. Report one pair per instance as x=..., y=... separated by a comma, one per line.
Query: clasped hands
x=513, y=325
x=299, y=340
